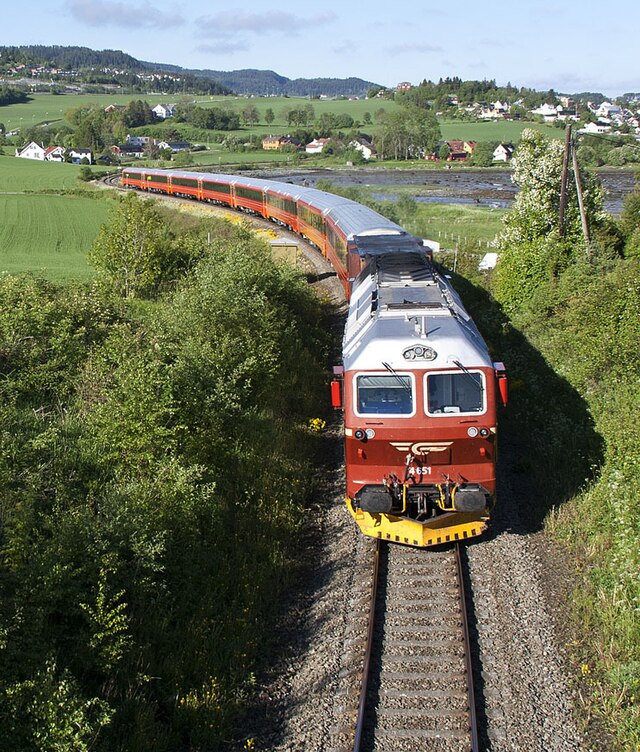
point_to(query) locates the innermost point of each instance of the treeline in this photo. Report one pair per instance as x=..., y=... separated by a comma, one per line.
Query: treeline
x=9, y=95
x=155, y=477
x=440, y=95
x=68, y=58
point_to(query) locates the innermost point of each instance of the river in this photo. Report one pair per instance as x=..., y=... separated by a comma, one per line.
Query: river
x=491, y=188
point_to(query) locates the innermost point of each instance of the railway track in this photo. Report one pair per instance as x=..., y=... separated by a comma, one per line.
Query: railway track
x=417, y=687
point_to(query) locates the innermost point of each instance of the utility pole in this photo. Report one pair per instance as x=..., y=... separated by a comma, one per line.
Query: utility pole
x=563, y=185
x=583, y=216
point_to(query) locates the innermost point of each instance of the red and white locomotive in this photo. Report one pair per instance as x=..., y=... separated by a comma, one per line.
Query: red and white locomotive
x=417, y=384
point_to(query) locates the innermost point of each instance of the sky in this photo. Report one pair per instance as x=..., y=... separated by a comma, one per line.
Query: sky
x=570, y=47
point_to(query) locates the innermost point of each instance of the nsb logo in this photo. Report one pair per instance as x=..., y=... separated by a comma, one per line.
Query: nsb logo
x=421, y=447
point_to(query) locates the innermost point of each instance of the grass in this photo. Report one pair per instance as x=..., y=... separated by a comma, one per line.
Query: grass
x=18, y=175
x=51, y=108
x=49, y=235
x=44, y=227
x=499, y=130
x=468, y=227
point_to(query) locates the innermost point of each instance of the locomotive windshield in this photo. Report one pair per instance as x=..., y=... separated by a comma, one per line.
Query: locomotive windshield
x=385, y=394
x=455, y=393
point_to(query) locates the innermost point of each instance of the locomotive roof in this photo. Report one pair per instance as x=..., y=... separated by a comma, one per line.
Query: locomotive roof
x=400, y=301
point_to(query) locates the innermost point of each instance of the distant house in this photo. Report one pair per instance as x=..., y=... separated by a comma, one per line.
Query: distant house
x=31, y=151
x=316, y=146
x=277, y=143
x=457, y=152
x=115, y=108
x=404, y=86
x=364, y=144
x=503, y=152
x=174, y=146
x=469, y=147
x=548, y=112
x=271, y=143
x=128, y=150
x=599, y=127
x=164, y=111
x=77, y=155
x=137, y=140
x=54, y=154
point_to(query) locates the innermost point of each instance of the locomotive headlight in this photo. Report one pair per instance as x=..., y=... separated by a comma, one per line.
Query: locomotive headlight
x=422, y=352
x=484, y=432
x=370, y=433
x=360, y=434
x=472, y=431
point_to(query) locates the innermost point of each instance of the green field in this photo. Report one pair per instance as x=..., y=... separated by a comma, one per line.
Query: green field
x=49, y=235
x=17, y=175
x=507, y=131
x=43, y=229
x=51, y=108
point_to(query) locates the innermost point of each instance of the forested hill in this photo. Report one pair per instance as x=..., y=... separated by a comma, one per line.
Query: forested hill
x=266, y=82
x=250, y=81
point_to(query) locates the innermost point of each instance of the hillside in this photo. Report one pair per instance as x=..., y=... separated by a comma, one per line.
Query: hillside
x=114, y=66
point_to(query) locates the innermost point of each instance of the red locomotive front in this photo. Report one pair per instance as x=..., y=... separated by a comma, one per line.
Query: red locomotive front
x=419, y=391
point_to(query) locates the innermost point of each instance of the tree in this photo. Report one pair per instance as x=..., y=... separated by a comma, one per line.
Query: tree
x=250, y=114
x=483, y=153
x=410, y=133
x=269, y=116
x=130, y=249
x=530, y=246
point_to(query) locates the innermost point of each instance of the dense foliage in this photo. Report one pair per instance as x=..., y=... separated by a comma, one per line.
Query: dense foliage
x=533, y=247
x=451, y=91
x=570, y=338
x=9, y=95
x=154, y=472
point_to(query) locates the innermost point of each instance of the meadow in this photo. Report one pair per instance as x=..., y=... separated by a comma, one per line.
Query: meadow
x=48, y=219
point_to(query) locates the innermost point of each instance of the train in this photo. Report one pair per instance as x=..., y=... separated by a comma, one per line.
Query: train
x=417, y=386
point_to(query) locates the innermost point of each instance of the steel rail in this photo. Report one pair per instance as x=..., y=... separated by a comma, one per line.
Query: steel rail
x=367, y=658
x=473, y=719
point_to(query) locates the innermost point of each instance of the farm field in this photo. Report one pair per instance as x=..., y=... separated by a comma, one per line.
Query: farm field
x=498, y=130
x=44, y=228
x=17, y=175
x=49, y=235
x=50, y=108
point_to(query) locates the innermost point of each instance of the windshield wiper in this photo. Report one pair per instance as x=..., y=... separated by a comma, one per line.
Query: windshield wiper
x=399, y=378
x=468, y=373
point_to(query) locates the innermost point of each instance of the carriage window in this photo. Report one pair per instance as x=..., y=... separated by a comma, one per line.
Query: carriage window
x=460, y=392
x=385, y=395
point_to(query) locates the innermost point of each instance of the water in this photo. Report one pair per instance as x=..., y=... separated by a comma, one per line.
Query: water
x=488, y=188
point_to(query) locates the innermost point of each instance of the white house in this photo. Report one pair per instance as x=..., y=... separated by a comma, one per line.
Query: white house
x=164, y=111
x=31, y=151
x=598, y=127
x=77, y=155
x=549, y=112
x=503, y=152
x=137, y=140
x=54, y=154
x=316, y=146
x=608, y=110
x=174, y=146
x=364, y=147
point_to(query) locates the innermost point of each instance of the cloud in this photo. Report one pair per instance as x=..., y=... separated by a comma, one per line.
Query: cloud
x=411, y=47
x=125, y=15
x=231, y=22
x=223, y=46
